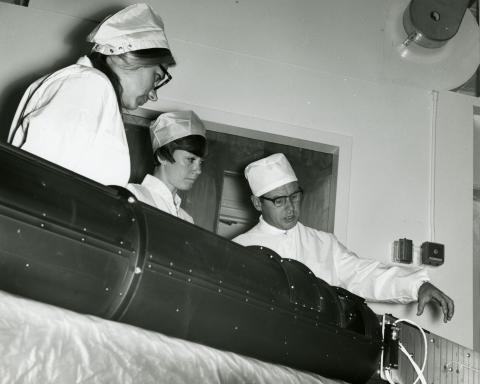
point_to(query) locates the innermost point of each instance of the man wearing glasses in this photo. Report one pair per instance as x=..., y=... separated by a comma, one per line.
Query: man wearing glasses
x=277, y=195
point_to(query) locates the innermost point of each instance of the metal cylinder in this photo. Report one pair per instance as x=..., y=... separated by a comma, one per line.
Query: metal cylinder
x=68, y=241
x=431, y=23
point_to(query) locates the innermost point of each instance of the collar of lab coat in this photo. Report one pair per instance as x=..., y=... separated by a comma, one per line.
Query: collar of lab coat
x=270, y=229
x=159, y=187
x=85, y=61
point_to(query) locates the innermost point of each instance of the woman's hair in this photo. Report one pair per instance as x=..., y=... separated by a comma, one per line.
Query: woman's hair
x=131, y=60
x=195, y=144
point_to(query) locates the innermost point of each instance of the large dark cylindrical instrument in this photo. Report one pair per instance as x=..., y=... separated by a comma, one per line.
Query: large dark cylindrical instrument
x=68, y=241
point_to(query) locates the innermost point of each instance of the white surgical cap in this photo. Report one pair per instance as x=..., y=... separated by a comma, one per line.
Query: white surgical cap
x=133, y=28
x=175, y=125
x=266, y=174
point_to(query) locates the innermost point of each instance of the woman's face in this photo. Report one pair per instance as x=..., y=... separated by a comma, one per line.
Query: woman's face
x=137, y=83
x=181, y=174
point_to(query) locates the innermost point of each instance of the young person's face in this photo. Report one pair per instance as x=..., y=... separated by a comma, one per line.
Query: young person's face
x=181, y=174
x=138, y=84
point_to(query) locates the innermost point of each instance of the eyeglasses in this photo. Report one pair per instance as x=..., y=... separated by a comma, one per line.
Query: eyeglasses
x=281, y=201
x=164, y=80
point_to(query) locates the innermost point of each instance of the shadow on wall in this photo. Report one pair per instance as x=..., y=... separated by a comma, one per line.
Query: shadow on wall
x=11, y=95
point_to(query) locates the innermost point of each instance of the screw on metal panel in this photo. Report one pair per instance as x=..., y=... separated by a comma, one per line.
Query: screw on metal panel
x=246, y=299
x=248, y=292
x=292, y=287
x=133, y=219
x=432, y=340
x=84, y=229
x=189, y=280
x=107, y=289
x=171, y=264
x=235, y=328
x=190, y=271
x=83, y=239
x=149, y=265
x=138, y=270
x=468, y=354
x=44, y=214
x=121, y=242
x=150, y=257
x=220, y=282
x=121, y=293
x=131, y=199
x=42, y=225
x=119, y=252
x=219, y=290
x=177, y=310
x=27, y=265
x=169, y=273
x=44, y=184
x=271, y=308
x=19, y=231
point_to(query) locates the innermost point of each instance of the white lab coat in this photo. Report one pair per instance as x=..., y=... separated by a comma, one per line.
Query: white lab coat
x=72, y=119
x=334, y=263
x=154, y=192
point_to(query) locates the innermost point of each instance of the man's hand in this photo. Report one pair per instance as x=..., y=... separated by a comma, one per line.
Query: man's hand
x=428, y=292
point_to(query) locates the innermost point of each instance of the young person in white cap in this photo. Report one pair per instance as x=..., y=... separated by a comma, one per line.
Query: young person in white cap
x=72, y=117
x=278, y=196
x=179, y=146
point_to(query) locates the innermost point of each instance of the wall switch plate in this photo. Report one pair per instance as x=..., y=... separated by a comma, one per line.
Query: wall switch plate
x=403, y=251
x=433, y=253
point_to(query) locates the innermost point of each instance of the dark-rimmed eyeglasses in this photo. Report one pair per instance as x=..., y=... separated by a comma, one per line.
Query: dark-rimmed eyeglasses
x=281, y=201
x=164, y=80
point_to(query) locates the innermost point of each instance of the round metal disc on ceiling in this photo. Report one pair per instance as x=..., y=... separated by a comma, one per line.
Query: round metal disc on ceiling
x=442, y=68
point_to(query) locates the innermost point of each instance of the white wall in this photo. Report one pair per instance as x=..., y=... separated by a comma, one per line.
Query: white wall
x=311, y=70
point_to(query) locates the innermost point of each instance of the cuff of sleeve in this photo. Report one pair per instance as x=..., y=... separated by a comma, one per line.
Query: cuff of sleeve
x=417, y=286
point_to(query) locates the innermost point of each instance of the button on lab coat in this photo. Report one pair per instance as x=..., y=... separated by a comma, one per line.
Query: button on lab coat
x=334, y=263
x=72, y=118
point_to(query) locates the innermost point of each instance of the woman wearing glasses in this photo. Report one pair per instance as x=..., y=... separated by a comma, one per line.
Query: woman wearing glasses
x=72, y=117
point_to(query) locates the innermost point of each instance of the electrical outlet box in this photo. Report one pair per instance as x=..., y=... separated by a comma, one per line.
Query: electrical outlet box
x=403, y=251
x=433, y=253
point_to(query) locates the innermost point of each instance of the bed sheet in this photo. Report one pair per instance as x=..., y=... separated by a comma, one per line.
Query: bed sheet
x=40, y=343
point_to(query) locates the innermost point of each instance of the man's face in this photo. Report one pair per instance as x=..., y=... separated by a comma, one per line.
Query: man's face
x=284, y=217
